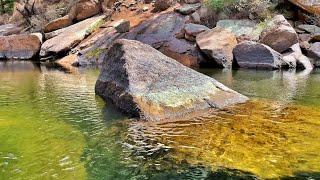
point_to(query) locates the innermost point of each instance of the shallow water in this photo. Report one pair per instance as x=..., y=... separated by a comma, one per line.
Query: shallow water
x=52, y=126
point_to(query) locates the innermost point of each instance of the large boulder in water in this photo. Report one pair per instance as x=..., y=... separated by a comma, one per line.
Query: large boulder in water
x=144, y=83
x=19, y=46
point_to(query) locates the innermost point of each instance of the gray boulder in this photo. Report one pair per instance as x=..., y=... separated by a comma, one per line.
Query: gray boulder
x=9, y=29
x=314, y=53
x=187, y=9
x=249, y=54
x=144, y=83
x=240, y=27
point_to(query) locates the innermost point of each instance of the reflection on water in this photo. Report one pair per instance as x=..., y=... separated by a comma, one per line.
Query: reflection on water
x=53, y=126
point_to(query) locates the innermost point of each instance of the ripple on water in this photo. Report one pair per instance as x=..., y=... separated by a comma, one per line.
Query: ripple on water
x=255, y=137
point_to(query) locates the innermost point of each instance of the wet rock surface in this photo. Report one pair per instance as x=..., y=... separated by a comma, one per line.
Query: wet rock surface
x=144, y=83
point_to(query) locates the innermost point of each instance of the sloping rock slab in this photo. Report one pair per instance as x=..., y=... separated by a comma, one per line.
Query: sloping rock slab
x=310, y=6
x=58, y=24
x=19, y=46
x=65, y=39
x=161, y=32
x=144, y=83
x=9, y=29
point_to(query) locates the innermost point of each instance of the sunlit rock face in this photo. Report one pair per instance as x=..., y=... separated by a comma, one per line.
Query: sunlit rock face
x=144, y=83
x=311, y=6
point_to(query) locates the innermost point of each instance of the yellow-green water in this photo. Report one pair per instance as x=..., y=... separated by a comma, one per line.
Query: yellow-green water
x=52, y=126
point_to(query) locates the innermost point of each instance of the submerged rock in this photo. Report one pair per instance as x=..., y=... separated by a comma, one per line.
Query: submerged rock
x=218, y=44
x=144, y=83
x=250, y=54
x=19, y=46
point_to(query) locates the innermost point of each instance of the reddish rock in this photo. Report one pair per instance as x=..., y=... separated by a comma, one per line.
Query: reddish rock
x=161, y=5
x=218, y=44
x=85, y=9
x=19, y=46
x=161, y=33
x=310, y=6
x=279, y=34
x=58, y=24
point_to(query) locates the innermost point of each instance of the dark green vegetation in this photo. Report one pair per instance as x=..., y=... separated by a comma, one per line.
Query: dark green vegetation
x=53, y=126
x=6, y=6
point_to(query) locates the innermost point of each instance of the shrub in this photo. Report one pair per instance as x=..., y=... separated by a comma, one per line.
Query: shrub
x=218, y=4
x=6, y=6
x=255, y=9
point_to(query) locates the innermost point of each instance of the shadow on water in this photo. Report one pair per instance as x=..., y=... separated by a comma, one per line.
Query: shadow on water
x=53, y=126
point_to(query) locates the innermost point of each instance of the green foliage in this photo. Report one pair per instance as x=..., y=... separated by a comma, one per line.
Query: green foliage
x=94, y=27
x=218, y=4
x=95, y=53
x=6, y=6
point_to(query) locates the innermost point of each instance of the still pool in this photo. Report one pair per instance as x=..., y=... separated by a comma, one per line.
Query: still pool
x=52, y=126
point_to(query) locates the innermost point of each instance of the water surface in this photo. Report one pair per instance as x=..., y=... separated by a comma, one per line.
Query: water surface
x=52, y=126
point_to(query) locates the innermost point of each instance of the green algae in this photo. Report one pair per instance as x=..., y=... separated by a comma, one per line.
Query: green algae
x=275, y=144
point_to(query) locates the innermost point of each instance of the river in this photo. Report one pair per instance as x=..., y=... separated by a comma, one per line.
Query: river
x=52, y=126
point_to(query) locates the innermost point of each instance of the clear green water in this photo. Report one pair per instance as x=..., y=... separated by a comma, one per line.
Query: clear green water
x=52, y=126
